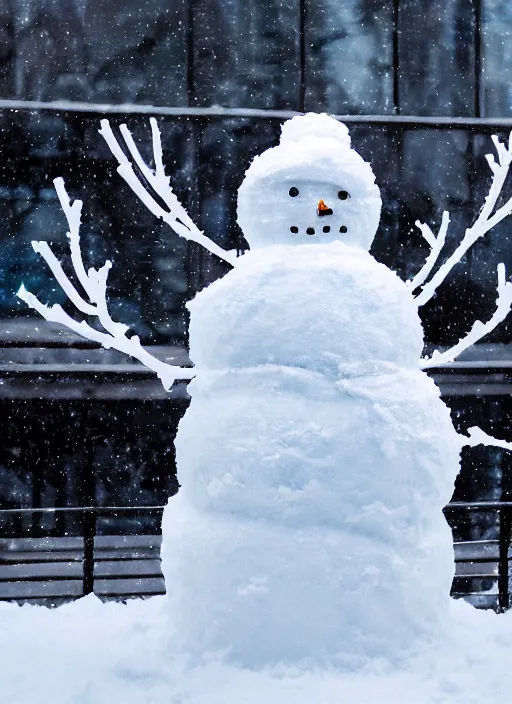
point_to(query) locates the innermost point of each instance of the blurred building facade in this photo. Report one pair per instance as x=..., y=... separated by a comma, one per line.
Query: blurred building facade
x=422, y=83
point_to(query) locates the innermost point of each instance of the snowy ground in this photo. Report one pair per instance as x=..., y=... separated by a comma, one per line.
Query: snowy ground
x=94, y=653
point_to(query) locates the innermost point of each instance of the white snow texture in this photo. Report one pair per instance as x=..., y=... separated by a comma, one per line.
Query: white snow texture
x=315, y=458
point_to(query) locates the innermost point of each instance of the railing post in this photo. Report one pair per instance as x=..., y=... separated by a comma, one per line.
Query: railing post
x=89, y=535
x=503, y=586
x=302, y=55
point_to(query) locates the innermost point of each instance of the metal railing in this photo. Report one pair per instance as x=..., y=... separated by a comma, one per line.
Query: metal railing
x=90, y=515
x=219, y=113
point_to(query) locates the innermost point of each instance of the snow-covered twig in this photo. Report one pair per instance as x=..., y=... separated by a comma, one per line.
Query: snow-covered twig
x=479, y=329
x=176, y=217
x=477, y=436
x=436, y=244
x=485, y=221
x=94, y=283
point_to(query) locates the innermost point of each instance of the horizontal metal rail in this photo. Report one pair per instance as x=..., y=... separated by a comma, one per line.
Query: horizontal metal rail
x=82, y=368
x=479, y=505
x=405, y=121
x=138, y=369
x=84, y=509
x=102, y=381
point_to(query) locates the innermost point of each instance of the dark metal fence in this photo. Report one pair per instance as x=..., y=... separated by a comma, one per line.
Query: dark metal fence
x=119, y=566
x=63, y=566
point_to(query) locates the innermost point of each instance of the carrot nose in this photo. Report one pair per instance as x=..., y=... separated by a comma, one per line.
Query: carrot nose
x=323, y=209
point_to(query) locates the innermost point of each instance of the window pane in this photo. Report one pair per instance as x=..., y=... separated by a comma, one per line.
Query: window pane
x=246, y=54
x=436, y=64
x=436, y=176
x=227, y=148
x=349, y=56
x=110, y=51
x=95, y=453
x=150, y=280
x=494, y=247
x=132, y=454
x=421, y=173
x=497, y=57
x=378, y=146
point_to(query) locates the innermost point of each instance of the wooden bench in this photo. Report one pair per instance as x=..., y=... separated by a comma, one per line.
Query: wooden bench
x=477, y=573
x=54, y=570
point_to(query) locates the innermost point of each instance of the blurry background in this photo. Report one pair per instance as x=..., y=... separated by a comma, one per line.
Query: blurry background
x=422, y=83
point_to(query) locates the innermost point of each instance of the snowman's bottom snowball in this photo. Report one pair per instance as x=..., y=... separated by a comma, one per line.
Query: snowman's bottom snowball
x=309, y=526
x=264, y=594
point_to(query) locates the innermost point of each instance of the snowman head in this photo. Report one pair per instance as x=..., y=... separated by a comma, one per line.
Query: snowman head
x=311, y=188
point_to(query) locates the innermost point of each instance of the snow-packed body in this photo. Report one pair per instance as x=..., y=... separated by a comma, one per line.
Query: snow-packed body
x=305, y=528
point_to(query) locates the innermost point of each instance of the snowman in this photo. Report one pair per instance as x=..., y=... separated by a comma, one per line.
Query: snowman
x=316, y=455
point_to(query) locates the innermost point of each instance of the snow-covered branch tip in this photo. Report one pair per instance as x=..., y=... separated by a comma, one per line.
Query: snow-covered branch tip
x=94, y=283
x=175, y=216
x=436, y=245
x=477, y=436
x=485, y=221
x=479, y=329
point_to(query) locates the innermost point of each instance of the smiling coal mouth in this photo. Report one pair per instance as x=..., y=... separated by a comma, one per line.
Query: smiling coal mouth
x=311, y=230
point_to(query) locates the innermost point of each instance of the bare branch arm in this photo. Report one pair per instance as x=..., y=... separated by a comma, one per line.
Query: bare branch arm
x=479, y=329
x=177, y=217
x=485, y=221
x=94, y=283
x=436, y=244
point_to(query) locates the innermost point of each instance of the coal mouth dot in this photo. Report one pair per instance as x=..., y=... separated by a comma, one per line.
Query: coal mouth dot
x=294, y=229
x=310, y=231
x=326, y=229
x=343, y=229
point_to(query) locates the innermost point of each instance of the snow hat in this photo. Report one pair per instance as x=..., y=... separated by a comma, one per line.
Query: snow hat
x=312, y=187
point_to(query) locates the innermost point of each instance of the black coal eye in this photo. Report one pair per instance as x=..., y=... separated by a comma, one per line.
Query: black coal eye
x=342, y=195
x=293, y=192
